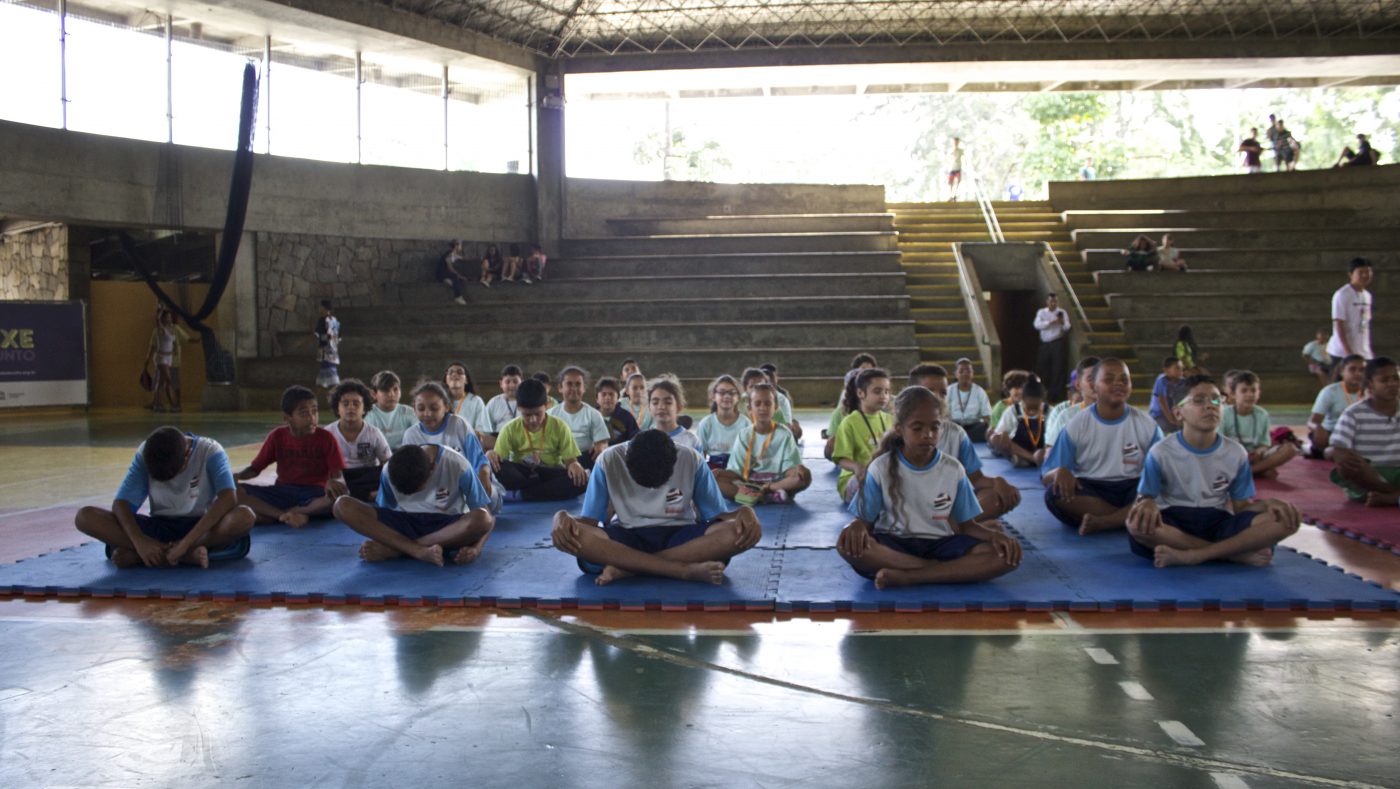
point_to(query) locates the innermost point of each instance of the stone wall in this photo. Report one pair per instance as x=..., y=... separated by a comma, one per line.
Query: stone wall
x=34, y=265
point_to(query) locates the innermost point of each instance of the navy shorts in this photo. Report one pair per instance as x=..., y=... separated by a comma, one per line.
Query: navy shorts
x=285, y=497
x=1118, y=492
x=166, y=529
x=414, y=524
x=1206, y=523
x=363, y=482
x=718, y=461
x=938, y=549
x=647, y=539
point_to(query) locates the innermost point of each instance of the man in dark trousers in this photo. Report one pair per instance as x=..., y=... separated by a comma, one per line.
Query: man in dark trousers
x=1052, y=360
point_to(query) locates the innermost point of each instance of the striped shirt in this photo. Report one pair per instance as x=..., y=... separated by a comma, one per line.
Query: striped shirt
x=1369, y=433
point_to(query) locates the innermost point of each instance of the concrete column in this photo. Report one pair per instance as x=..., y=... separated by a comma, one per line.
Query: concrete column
x=549, y=160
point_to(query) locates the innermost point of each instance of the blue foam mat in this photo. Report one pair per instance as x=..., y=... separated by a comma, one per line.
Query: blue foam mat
x=793, y=568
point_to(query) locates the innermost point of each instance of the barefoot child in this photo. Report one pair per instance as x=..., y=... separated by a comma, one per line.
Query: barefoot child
x=194, y=506
x=501, y=408
x=841, y=411
x=1333, y=400
x=1020, y=434
x=464, y=402
x=308, y=462
x=535, y=454
x=429, y=503
x=751, y=377
x=362, y=446
x=765, y=464
x=621, y=426
x=388, y=414
x=995, y=495
x=1082, y=397
x=670, y=520
x=1248, y=423
x=1092, y=471
x=637, y=404
x=584, y=421
x=1366, y=445
x=665, y=402
x=1193, y=499
x=437, y=426
x=968, y=404
x=1166, y=391
x=1316, y=358
x=721, y=428
x=1011, y=384
x=784, y=400
x=915, y=511
x=860, y=432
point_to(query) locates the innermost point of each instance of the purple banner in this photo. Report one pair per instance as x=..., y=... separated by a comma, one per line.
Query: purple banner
x=43, y=353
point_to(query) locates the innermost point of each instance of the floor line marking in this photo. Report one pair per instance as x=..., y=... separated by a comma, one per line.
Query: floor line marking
x=1228, y=781
x=1066, y=620
x=1186, y=760
x=1101, y=656
x=1135, y=691
x=1183, y=736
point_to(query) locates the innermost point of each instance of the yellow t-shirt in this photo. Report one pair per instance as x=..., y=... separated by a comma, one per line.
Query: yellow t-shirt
x=856, y=439
x=552, y=446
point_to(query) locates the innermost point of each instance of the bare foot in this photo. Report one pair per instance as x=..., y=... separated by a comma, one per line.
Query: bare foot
x=1167, y=556
x=1374, y=499
x=889, y=577
x=1093, y=524
x=1259, y=558
x=294, y=519
x=709, y=572
x=432, y=555
x=1269, y=474
x=198, y=556
x=372, y=551
x=993, y=524
x=467, y=555
x=610, y=574
x=126, y=557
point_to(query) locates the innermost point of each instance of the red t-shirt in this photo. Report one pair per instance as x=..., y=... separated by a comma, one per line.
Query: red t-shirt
x=304, y=460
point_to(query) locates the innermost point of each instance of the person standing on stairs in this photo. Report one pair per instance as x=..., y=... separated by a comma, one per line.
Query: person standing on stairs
x=955, y=165
x=1052, y=358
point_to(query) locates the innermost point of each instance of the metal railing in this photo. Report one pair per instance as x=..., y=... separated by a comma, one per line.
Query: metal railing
x=1067, y=286
x=989, y=214
x=979, y=315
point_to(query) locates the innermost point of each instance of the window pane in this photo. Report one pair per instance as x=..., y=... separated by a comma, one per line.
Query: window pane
x=488, y=121
x=312, y=101
x=29, y=47
x=401, y=116
x=208, y=79
x=116, y=80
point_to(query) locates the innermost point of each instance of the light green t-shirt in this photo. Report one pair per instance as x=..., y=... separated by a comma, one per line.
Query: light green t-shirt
x=837, y=414
x=856, y=439
x=718, y=437
x=1059, y=415
x=552, y=446
x=778, y=415
x=785, y=408
x=1251, y=430
x=588, y=425
x=998, y=408
x=763, y=458
x=392, y=423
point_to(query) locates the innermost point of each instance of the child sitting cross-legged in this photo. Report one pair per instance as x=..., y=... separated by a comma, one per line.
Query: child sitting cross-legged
x=1366, y=445
x=765, y=463
x=1011, y=384
x=430, y=502
x=670, y=519
x=995, y=495
x=916, y=512
x=437, y=426
x=721, y=428
x=665, y=402
x=1193, y=499
x=535, y=454
x=309, y=466
x=584, y=421
x=388, y=414
x=501, y=408
x=637, y=405
x=860, y=432
x=621, y=426
x=194, y=506
x=363, y=447
x=1020, y=432
x=1248, y=423
x=464, y=402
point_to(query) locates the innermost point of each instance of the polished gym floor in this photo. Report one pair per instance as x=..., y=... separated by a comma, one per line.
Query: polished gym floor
x=177, y=693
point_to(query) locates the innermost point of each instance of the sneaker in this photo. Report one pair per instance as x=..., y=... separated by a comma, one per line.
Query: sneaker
x=460, y=300
x=447, y=281
x=486, y=282
x=527, y=280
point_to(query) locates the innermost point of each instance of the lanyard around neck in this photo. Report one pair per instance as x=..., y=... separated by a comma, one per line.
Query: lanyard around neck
x=748, y=460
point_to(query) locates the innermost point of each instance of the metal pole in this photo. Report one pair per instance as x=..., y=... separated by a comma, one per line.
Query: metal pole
x=266, y=91
x=169, y=78
x=63, y=59
x=530, y=121
x=359, y=107
x=446, y=91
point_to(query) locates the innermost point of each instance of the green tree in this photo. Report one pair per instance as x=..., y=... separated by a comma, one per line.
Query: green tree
x=680, y=159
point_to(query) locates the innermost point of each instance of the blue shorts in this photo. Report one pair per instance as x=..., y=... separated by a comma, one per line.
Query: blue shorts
x=1118, y=492
x=166, y=529
x=719, y=460
x=285, y=497
x=1206, y=523
x=414, y=525
x=647, y=539
x=938, y=549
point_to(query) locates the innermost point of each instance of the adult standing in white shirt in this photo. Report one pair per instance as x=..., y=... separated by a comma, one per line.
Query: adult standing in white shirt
x=1351, y=316
x=1052, y=359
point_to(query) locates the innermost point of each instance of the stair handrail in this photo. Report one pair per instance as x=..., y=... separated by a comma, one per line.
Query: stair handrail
x=984, y=331
x=1068, y=287
x=989, y=214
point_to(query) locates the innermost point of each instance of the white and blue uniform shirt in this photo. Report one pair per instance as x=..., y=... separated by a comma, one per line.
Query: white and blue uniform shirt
x=1095, y=448
x=933, y=499
x=186, y=495
x=683, y=438
x=454, y=434
x=371, y=448
x=1179, y=475
x=499, y=411
x=718, y=438
x=473, y=410
x=452, y=488
x=968, y=407
x=588, y=425
x=690, y=491
x=953, y=442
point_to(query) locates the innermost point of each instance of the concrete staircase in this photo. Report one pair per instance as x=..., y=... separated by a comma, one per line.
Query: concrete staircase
x=1265, y=254
x=926, y=234
x=692, y=296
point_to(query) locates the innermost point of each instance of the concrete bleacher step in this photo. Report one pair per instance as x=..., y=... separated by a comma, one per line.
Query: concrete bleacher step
x=1322, y=283
x=673, y=287
x=751, y=223
x=468, y=337
x=1306, y=238
x=1307, y=306
x=1302, y=190
x=1176, y=218
x=871, y=241
x=1261, y=259
x=1244, y=331
x=725, y=263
